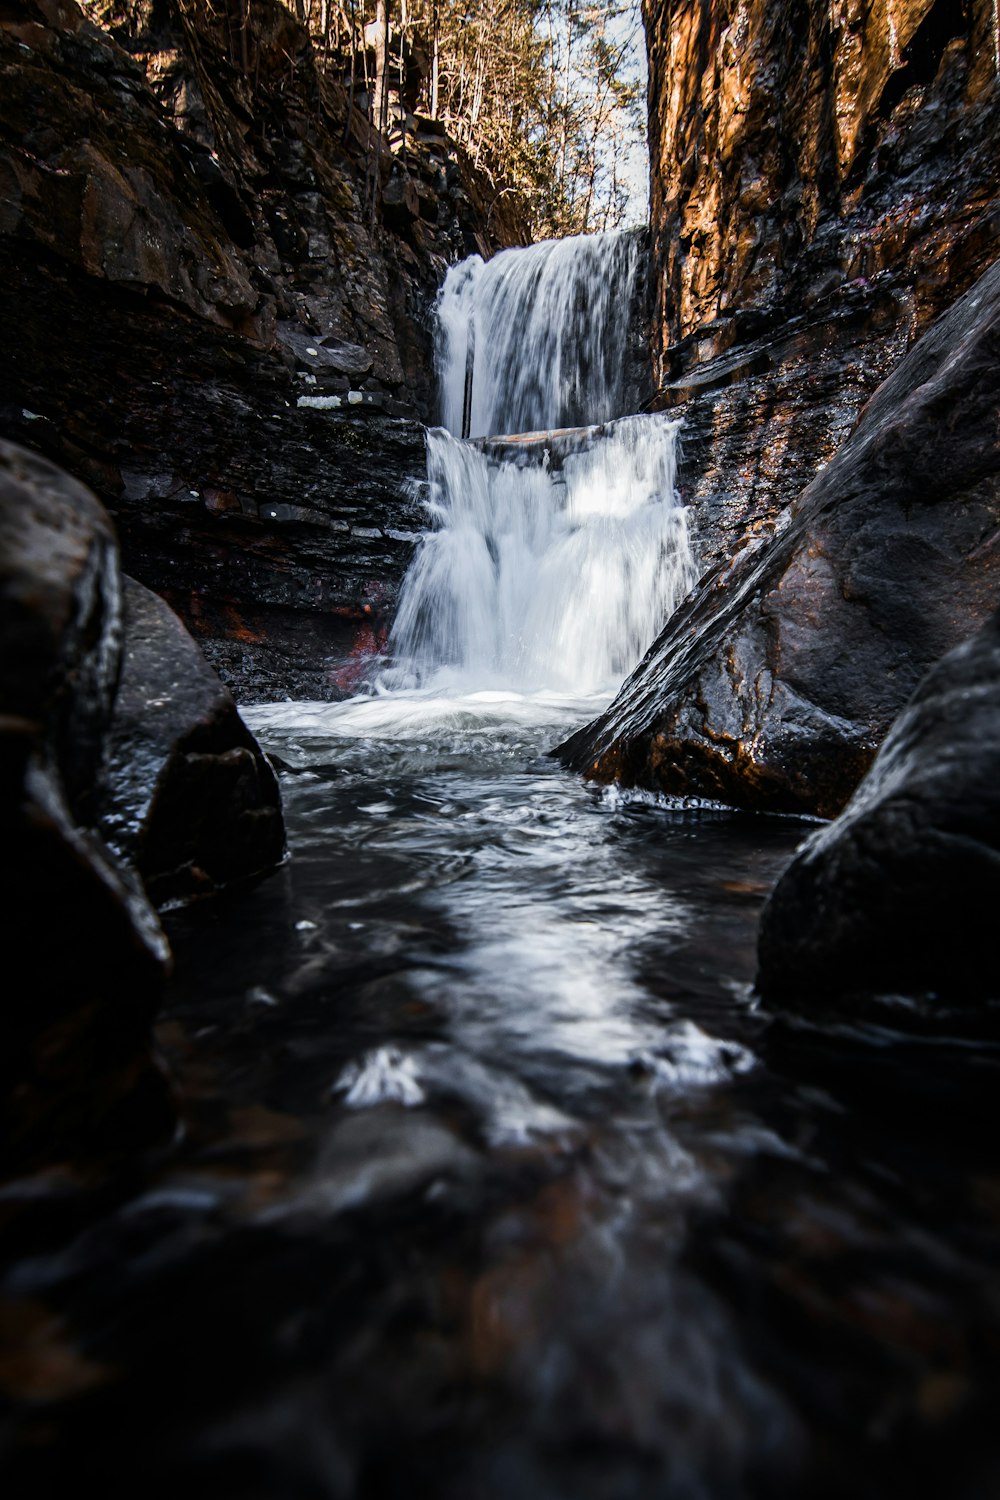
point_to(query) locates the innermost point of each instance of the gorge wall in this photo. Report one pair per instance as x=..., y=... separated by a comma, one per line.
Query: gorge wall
x=825, y=186
x=207, y=319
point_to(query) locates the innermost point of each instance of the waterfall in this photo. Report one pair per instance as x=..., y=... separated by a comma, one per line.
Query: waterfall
x=535, y=339
x=557, y=551
x=553, y=567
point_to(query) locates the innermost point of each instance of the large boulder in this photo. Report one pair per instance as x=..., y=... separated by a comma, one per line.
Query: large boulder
x=125, y=773
x=900, y=893
x=774, y=683
x=189, y=799
x=84, y=954
x=60, y=619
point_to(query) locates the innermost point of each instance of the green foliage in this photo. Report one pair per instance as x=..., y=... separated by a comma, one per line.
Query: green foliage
x=546, y=95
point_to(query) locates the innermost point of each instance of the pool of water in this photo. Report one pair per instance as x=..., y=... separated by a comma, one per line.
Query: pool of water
x=495, y=1179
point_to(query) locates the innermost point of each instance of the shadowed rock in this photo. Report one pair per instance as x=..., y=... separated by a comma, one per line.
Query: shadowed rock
x=190, y=799
x=149, y=738
x=900, y=892
x=173, y=244
x=84, y=953
x=60, y=618
x=774, y=683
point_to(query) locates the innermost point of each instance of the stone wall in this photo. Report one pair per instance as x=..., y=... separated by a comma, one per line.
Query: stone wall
x=826, y=185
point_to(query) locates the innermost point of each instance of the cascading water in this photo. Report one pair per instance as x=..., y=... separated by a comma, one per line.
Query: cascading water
x=552, y=573
x=554, y=562
x=532, y=339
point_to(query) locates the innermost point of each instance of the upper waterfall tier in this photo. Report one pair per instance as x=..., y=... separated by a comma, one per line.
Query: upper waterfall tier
x=534, y=338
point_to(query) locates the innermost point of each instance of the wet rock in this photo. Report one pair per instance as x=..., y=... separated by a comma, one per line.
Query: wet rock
x=191, y=802
x=173, y=243
x=86, y=964
x=899, y=893
x=316, y=354
x=821, y=192
x=60, y=619
x=85, y=955
x=774, y=683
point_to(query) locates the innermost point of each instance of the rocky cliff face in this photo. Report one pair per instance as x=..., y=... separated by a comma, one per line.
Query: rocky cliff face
x=777, y=678
x=207, y=320
x=824, y=184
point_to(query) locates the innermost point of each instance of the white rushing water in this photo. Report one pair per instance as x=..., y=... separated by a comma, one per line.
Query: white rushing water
x=535, y=338
x=554, y=554
x=553, y=562
x=541, y=576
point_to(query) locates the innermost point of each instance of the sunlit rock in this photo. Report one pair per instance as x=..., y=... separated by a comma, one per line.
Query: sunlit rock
x=822, y=188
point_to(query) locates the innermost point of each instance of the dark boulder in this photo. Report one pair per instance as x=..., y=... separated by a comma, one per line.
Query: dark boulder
x=190, y=800
x=115, y=764
x=774, y=683
x=900, y=893
x=60, y=618
x=85, y=961
x=84, y=954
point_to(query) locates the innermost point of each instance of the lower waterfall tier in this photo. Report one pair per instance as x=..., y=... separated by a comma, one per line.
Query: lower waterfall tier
x=555, y=559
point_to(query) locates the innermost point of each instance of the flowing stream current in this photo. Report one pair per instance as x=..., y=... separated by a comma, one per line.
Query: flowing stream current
x=495, y=1182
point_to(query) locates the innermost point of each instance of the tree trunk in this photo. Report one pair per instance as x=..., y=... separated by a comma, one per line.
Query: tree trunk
x=381, y=64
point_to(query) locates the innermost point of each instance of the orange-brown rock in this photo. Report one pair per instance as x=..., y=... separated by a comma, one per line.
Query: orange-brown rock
x=824, y=184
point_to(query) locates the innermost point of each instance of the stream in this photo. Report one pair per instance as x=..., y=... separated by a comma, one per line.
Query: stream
x=496, y=1181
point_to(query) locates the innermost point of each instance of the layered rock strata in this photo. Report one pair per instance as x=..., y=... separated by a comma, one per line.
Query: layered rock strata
x=776, y=680
x=205, y=320
x=824, y=186
x=825, y=183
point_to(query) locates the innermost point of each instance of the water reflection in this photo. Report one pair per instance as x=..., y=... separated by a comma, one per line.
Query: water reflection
x=495, y=1182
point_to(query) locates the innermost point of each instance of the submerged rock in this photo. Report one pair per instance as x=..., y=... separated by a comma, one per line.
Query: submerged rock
x=776, y=680
x=900, y=893
x=191, y=801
